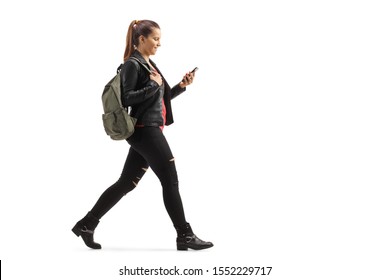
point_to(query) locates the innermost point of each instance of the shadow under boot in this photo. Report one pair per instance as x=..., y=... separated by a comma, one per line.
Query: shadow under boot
x=187, y=239
x=85, y=227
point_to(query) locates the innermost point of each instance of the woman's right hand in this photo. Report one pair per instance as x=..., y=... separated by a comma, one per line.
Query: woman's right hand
x=156, y=77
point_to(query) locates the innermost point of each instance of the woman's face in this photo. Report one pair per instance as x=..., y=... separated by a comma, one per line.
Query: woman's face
x=150, y=44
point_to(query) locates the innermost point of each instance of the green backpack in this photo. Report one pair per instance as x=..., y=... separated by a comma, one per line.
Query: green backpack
x=117, y=122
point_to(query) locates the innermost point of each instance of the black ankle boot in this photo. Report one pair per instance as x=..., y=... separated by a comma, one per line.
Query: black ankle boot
x=187, y=239
x=85, y=227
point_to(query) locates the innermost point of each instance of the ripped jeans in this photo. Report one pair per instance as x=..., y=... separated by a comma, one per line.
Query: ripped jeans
x=148, y=148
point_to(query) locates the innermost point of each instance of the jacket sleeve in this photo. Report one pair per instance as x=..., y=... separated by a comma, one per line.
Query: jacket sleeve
x=129, y=77
x=176, y=91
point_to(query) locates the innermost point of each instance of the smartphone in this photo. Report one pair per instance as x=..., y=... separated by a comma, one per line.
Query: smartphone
x=195, y=69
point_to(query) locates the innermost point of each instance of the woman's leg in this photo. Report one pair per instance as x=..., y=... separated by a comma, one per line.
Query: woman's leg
x=151, y=143
x=135, y=167
x=133, y=170
x=153, y=146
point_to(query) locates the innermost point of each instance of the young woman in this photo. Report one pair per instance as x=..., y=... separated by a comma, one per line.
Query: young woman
x=149, y=97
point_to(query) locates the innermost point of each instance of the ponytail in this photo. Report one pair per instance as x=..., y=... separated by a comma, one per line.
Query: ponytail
x=129, y=41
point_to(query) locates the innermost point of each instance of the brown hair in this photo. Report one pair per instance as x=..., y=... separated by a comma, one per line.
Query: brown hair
x=136, y=29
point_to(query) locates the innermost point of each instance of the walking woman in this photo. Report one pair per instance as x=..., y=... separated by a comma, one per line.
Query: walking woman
x=149, y=97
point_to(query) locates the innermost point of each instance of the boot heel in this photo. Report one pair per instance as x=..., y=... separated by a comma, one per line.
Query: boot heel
x=76, y=231
x=181, y=247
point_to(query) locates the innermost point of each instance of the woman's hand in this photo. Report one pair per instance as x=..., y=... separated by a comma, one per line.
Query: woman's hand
x=187, y=80
x=155, y=76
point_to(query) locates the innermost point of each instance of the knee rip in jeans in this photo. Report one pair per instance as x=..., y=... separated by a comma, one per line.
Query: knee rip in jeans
x=135, y=183
x=172, y=159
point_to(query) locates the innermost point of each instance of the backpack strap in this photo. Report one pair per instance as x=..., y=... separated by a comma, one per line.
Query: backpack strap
x=136, y=59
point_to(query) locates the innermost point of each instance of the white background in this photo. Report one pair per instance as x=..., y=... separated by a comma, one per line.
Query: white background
x=281, y=144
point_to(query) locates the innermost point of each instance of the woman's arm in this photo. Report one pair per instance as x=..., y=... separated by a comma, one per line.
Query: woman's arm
x=177, y=90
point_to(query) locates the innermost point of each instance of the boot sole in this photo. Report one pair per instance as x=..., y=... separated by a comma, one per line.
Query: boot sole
x=185, y=247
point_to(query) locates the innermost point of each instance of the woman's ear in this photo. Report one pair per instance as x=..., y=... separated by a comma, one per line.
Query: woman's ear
x=142, y=39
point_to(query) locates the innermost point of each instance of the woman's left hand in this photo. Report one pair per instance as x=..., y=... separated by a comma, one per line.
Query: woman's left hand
x=187, y=80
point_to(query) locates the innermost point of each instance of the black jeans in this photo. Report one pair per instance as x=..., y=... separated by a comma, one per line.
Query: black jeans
x=148, y=148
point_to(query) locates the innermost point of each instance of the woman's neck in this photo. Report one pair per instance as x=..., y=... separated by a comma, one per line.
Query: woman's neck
x=145, y=56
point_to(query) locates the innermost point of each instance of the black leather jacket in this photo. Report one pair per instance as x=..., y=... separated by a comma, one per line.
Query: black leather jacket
x=144, y=95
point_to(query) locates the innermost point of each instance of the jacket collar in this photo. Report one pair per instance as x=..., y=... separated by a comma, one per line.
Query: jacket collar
x=138, y=55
